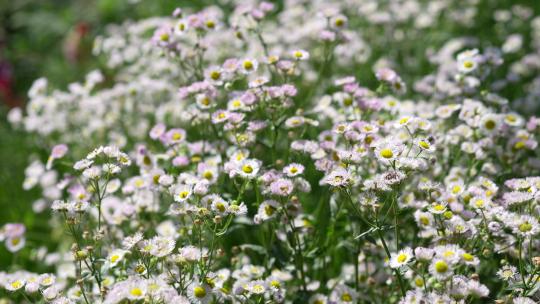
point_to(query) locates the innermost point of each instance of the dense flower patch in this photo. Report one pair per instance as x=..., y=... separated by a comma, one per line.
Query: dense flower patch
x=235, y=156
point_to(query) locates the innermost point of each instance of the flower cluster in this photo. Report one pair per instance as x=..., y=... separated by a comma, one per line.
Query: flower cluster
x=261, y=167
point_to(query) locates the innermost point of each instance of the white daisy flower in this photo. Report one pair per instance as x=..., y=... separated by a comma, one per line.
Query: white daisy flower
x=199, y=293
x=438, y=207
x=249, y=168
x=116, y=256
x=293, y=170
x=388, y=150
x=300, y=55
x=267, y=210
x=490, y=123
x=403, y=257
x=248, y=66
x=181, y=27
x=182, y=193
x=508, y=273
x=440, y=269
x=425, y=145
x=161, y=246
x=14, y=284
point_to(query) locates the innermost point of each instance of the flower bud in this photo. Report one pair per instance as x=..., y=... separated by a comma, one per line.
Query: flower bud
x=81, y=255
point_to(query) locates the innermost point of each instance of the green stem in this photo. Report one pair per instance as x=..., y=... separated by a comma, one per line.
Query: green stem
x=396, y=271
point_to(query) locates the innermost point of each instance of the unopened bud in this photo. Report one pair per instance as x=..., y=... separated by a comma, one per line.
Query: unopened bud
x=71, y=221
x=81, y=255
x=536, y=261
x=140, y=269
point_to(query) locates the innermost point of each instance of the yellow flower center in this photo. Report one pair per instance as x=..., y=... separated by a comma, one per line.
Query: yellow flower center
x=205, y=100
x=439, y=207
x=210, y=24
x=137, y=292
x=114, y=258
x=479, y=203
x=208, y=175
x=16, y=284
x=401, y=258
x=525, y=227
x=269, y=210
x=490, y=124
x=164, y=37
x=247, y=169
x=468, y=257
x=441, y=266
x=177, y=136
x=215, y=75
x=140, y=269
x=386, y=153
x=236, y=103
x=199, y=292
x=424, y=144
x=258, y=288
x=448, y=253
x=468, y=64
x=339, y=22
x=220, y=206
x=346, y=297
x=248, y=65
x=519, y=145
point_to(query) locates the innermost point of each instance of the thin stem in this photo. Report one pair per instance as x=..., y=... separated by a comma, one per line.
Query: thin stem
x=521, y=267
x=400, y=281
x=297, y=248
